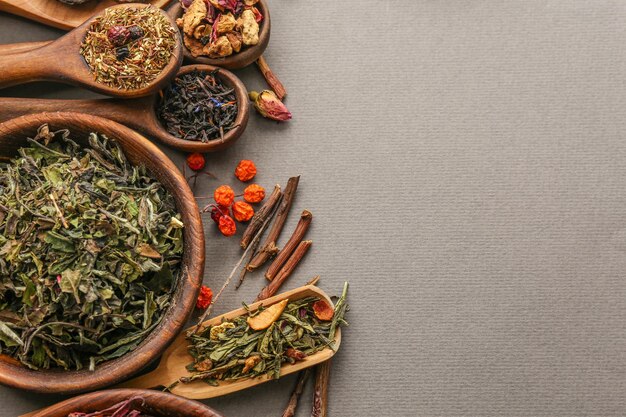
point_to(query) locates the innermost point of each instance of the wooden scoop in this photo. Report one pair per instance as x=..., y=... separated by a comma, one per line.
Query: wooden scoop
x=140, y=113
x=61, y=61
x=60, y=15
x=173, y=362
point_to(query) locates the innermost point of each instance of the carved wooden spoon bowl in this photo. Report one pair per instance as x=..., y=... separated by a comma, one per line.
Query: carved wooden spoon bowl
x=238, y=60
x=138, y=150
x=61, y=61
x=140, y=113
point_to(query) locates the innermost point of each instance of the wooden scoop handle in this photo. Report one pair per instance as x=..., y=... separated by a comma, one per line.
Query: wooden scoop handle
x=135, y=113
x=11, y=48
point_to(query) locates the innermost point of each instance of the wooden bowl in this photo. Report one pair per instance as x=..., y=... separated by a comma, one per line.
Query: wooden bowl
x=230, y=137
x=241, y=59
x=139, y=150
x=157, y=404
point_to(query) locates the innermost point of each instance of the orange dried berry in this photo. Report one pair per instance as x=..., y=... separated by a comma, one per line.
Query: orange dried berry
x=227, y=226
x=195, y=161
x=254, y=193
x=246, y=170
x=224, y=195
x=205, y=297
x=323, y=310
x=242, y=211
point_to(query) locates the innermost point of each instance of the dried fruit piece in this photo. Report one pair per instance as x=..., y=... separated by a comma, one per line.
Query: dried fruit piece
x=323, y=310
x=224, y=195
x=205, y=365
x=250, y=363
x=235, y=40
x=226, y=23
x=242, y=211
x=265, y=318
x=254, y=193
x=205, y=297
x=118, y=35
x=195, y=47
x=194, y=16
x=136, y=32
x=196, y=161
x=122, y=53
x=250, y=28
x=295, y=354
x=220, y=48
x=227, y=226
x=268, y=105
x=246, y=170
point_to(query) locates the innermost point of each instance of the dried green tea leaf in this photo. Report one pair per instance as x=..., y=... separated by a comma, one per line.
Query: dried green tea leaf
x=80, y=279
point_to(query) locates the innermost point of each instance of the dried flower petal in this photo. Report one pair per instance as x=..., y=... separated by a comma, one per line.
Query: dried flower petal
x=254, y=193
x=246, y=170
x=268, y=105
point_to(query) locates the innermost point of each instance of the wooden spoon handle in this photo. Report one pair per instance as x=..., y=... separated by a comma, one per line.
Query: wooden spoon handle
x=135, y=113
x=11, y=48
x=41, y=64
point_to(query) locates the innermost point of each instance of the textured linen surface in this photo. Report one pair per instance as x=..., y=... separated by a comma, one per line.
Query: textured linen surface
x=465, y=162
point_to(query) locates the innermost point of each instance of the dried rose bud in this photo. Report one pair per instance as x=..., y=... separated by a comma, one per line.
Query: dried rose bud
x=118, y=35
x=136, y=32
x=268, y=105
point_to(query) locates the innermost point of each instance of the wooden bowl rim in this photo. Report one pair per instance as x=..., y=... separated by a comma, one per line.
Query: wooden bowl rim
x=240, y=59
x=99, y=400
x=230, y=137
x=12, y=373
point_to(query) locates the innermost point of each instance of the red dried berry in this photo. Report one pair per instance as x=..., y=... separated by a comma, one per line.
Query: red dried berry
x=246, y=170
x=205, y=298
x=227, y=226
x=217, y=212
x=196, y=161
x=118, y=35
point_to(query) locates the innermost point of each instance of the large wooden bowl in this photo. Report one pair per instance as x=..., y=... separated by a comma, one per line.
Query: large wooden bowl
x=238, y=60
x=157, y=404
x=139, y=150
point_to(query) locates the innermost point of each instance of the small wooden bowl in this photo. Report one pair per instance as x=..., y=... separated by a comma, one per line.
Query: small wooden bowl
x=139, y=150
x=157, y=404
x=235, y=61
x=230, y=137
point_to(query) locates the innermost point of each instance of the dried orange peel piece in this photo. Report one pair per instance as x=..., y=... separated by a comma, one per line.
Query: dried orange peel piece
x=323, y=310
x=265, y=318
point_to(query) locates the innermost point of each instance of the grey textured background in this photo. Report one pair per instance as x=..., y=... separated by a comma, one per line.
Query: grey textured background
x=465, y=163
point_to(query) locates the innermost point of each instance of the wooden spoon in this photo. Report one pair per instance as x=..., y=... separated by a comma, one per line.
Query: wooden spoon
x=60, y=15
x=173, y=362
x=61, y=61
x=140, y=113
